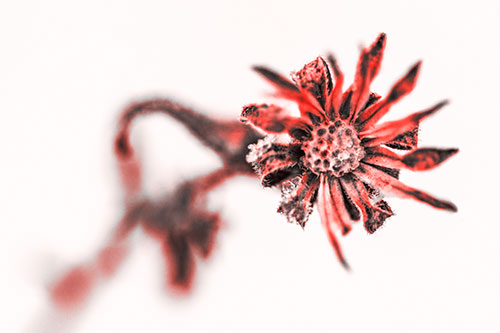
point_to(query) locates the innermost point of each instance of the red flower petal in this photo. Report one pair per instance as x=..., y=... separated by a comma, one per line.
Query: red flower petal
x=284, y=86
x=387, y=131
x=417, y=160
x=405, y=141
x=374, y=215
x=328, y=218
x=367, y=69
x=427, y=158
x=383, y=156
x=402, y=88
x=272, y=119
x=314, y=80
x=339, y=205
x=390, y=184
x=335, y=97
x=307, y=103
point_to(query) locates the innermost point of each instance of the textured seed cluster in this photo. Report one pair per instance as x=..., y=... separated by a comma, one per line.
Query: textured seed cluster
x=334, y=149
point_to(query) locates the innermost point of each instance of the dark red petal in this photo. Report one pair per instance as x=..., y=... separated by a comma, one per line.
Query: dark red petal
x=372, y=191
x=393, y=172
x=270, y=118
x=347, y=183
x=299, y=132
x=349, y=203
x=387, y=131
x=390, y=184
x=335, y=97
x=280, y=82
x=377, y=215
x=339, y=206
x=284, y=87
x=287, y=89
x=368, y=67
x=374, y=215
x=372, y=99
x=345, y=108
x=328, y=218
x=329, y=205
x=279, y=175
x=383, y=156
x=314, y=79
x=402, y=88
x=405, y=141
x=314, y=116
x=417, y=160
x=427, y=158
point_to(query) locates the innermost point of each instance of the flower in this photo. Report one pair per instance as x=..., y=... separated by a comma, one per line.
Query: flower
x=336, y=155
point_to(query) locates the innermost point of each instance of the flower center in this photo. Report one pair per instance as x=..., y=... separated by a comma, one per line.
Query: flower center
x=334, y=148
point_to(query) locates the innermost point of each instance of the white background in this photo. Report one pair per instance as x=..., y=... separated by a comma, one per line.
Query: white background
x=66, y=71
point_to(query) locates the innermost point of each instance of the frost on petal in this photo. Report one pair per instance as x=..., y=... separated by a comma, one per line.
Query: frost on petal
x=256, y=150
x=297, y=198
x=274, y=162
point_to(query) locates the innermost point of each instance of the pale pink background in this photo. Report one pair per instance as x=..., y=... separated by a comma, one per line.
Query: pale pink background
x=68, y=68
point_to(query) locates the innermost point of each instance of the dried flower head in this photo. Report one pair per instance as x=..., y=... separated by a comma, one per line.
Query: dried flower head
x=335, y=154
